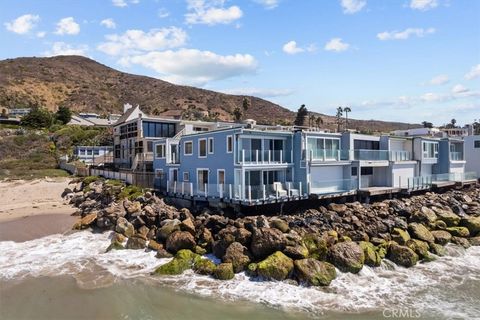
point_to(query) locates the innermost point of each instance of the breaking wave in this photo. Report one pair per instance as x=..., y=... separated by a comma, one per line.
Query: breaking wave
x=446, y=288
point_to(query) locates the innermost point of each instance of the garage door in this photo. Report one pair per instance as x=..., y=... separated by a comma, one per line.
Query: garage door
x=327, y=179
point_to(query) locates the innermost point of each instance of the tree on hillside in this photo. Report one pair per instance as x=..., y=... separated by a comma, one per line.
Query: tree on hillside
x=237, y=114
x=301, y=115
x=311, y=120
x=38, y=118
x=318, y=121
x=245, y=104
x=4, y=114
x=427, y=124
x=346, y=110
x=64, y=115
x=339, y=118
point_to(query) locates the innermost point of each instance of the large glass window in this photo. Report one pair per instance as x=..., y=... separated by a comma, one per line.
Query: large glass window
x=476, y=144
x=188, y=148
x=202, y=148
x=160, y=152
x=430, y=150
x=158, y=129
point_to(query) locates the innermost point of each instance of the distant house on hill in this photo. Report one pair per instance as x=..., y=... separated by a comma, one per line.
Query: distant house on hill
x=91, y=121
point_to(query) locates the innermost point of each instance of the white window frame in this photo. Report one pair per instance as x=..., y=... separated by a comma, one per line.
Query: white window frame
x=185, y=148
x=218, y=176
x=211, y=142
x=188, y=176
x=208, y=177
x=159, y=174
x=162, y=147
x=199, y=149
x=231, y=138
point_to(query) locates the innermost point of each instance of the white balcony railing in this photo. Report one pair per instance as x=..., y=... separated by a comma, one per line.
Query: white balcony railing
x=400, y=155
x=262, y=157
x=456, y=156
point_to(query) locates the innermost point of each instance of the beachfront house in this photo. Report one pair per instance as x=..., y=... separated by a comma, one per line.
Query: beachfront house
x=472, y=154
x=93, y=154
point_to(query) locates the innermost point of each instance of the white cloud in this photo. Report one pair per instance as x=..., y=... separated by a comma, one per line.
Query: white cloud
x=192, y=66
x=22, y=24
x=405, y=34
x=292, y=48
x=459, y=89
x=67, y=26
x=63, y=49
x=336, y=44
x=211, y=12
x=473, y=73
x=268, y=4
x=423, y=5
x=439, y=80
x=41, y=34
x=352, y=6
x=138, y=40
x=119, y=3
x=163, y=13
x=259, y=92
x=108, y=23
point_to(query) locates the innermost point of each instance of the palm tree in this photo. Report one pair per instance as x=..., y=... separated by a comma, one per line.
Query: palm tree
x=346, y=110
x=339, y=117
x=318, y=121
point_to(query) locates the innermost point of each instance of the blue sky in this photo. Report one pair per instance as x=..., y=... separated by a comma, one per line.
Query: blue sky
x=401, y=60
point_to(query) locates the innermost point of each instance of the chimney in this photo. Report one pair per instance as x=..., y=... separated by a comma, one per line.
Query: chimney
x=126, y=106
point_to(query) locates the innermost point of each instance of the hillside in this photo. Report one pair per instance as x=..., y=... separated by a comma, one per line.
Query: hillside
x=85, y=85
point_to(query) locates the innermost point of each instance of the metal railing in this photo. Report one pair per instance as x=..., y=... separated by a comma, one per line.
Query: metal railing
x=328, y=155
x=417, y=183
x=456, y=156
x=400, y=155
x=262, y=156
x=363, y=154
x=277, y=190
x=333, y=186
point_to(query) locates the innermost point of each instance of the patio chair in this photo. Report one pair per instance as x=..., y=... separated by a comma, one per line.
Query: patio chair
x=278, y=188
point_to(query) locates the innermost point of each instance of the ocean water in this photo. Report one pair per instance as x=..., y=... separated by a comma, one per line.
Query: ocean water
x=71, y=277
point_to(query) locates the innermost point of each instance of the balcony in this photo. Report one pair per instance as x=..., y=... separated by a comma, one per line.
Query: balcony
x=262, y=157
x=400, y=155
x=456, y=156
x=328, y=155
x=371, y=155
x=333, y=186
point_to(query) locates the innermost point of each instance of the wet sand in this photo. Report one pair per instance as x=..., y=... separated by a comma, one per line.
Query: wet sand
x=33, y=209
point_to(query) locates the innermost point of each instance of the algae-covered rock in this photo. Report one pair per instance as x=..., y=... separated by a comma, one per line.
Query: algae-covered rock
x=402, y=255
x=252, y=270
x=224, y=271
x=183, y=260
x=442, y=237
x=420, y=232
x=424, y=215
x=204, y=267
x=437, y=249
x=372, y=257
x=400, y=236
x=314, y=272
x=472, y=224
x=420, y=248
x=347, y=256
x=275, y=267
x=316, y=246
x=115, y=246
x=450, y=218
x=296, y=252
x=459, y=232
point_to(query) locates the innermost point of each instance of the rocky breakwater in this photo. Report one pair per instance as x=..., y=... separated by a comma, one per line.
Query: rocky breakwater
x=306, y=248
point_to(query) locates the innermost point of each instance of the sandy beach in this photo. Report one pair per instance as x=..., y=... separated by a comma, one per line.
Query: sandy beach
x=33, y=209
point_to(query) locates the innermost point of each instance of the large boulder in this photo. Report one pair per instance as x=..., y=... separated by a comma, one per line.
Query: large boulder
x=135, y=242
x=400, y=236
x=168, y=227
x=266, y=241
x=313, y=272
x=450, y=218
x=347, y=256
x=420, y=248
x=317, y=245
x=180, y=240
x=338, y=208
x=420, y=232
x=372, y=257
x=296, y=252
x=224, y=271
x=183, y=260
x=459, y=232
x=442, y=237
x=187, y=225
x=472, y=224
x=424, y=215
x=132, y=207
x=238, y=255
x=204, y=238
x=280, y=225
x=402, y=255
x=277, y=266
x=204, y=267
x=85, y=222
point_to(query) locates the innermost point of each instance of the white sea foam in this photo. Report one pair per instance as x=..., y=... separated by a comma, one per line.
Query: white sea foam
x=447, y=287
